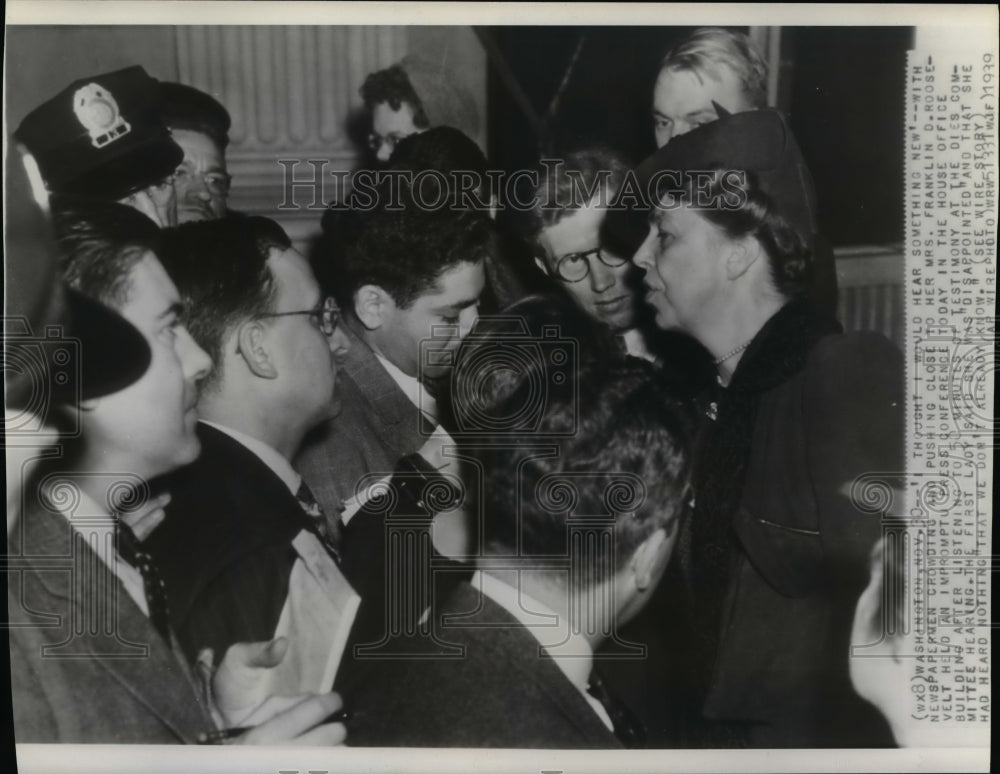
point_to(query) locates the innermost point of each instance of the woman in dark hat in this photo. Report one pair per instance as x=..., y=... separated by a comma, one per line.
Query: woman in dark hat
x=776, y=553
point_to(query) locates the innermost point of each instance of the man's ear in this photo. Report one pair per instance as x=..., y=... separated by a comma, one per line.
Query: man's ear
x=252, y=346
x=541, y=265
x=649, y=558
x=373, y=306
x=743, y=253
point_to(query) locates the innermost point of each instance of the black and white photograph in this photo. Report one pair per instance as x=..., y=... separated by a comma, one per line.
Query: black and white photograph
x=526, y=387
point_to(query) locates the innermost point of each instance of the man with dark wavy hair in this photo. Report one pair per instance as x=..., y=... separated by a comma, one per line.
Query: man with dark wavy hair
x=554, y=584
x=409, y=283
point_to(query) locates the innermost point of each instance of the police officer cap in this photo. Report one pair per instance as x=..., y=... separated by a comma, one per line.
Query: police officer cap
x=102, y=136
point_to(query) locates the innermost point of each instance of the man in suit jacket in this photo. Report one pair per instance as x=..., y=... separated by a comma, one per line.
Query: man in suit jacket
x=230, y=546
x=80, y=618
x=511, y=665
x=79, y=614
x=89, y=624
x=409, y=281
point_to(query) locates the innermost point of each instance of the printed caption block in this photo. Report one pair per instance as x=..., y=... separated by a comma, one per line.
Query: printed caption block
x=950, y=245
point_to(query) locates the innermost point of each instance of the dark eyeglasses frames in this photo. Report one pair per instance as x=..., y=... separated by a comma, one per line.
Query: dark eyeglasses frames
x=327, y=316
x=576, y=266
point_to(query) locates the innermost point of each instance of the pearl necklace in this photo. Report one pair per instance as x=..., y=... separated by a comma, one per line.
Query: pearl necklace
x=733, y=353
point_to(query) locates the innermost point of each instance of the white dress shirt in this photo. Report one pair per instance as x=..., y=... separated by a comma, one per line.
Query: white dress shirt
x=97, y=527
x=412, y=389
x=635, y=345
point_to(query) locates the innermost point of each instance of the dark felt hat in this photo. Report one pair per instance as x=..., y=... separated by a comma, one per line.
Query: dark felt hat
x=757, y=141
x=185, y=107
x=102, y=136
x=59, y=346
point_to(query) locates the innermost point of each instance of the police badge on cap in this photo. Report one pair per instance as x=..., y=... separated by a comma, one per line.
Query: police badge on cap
x=102, y=136
x=97, y=110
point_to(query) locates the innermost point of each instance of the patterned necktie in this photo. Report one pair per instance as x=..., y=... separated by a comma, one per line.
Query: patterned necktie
x=330, y=531
x=130, y=549
x=628, y=729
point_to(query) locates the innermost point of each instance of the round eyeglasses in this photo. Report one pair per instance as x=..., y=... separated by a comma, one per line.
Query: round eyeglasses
x=326, y=317
x=576, y=266
x=376, y=141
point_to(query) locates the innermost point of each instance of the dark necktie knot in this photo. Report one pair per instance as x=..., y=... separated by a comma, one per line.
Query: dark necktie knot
x=329, y=530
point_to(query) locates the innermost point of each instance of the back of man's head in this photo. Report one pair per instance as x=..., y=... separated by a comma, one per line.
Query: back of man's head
x=462, y=181
x=220, y=268
x=707, y=49
x=622, y=456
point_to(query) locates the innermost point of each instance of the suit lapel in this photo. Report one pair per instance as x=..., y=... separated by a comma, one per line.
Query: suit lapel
x=225, y=504
x=131, y=651
x=397, y=416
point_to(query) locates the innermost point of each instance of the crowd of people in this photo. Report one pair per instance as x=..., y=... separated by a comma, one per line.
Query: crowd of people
x=414, y=489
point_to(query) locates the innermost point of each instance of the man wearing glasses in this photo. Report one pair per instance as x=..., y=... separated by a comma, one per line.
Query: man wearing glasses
x=410, y=97
x=245, y=552
x=574, y=248
x=200, y=125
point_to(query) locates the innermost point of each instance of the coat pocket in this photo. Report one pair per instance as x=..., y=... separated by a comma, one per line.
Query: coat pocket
x=790, y=559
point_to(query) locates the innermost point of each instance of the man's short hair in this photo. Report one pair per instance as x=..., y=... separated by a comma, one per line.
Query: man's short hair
x=100, y=243
x=392, y=85
x=405, y=251
x=615, y=426
x=185, y=107
x=571, y=183
x=220, y=269
x=568, y=184
x=707, y=49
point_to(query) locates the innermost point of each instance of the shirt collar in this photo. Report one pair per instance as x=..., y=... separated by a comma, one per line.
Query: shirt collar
x=412, y=389
x=578, y=659
x=281, y=467
x=635, y=344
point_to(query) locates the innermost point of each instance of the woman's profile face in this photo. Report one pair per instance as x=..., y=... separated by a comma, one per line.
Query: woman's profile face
x=683, y=256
